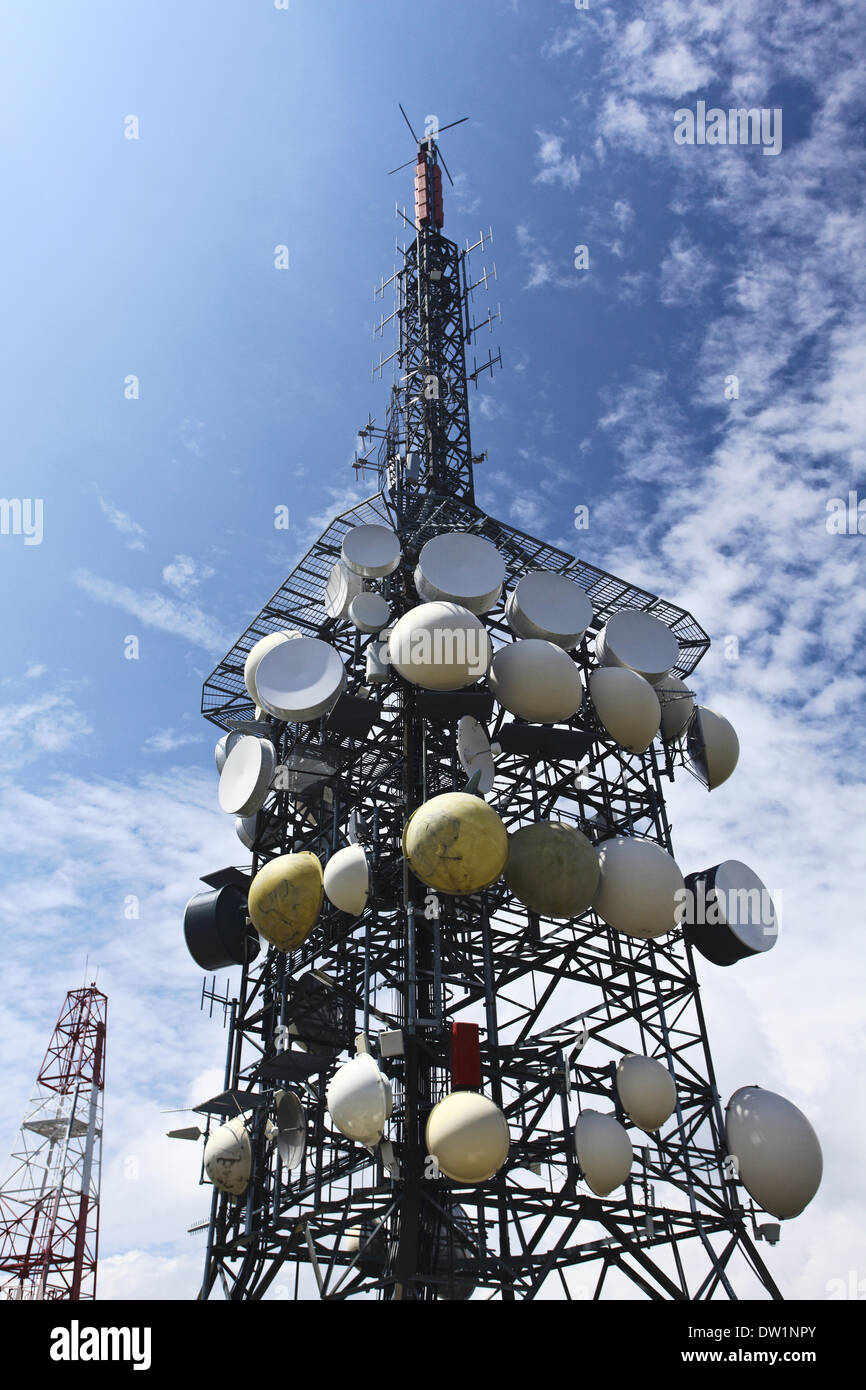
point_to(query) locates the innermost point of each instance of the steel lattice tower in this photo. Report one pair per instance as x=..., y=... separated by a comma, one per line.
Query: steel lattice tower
x=49, y=1205
x=416, y=963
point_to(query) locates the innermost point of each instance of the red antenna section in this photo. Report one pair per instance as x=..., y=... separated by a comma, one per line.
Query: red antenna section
x=428, y=190
x=49, y=1205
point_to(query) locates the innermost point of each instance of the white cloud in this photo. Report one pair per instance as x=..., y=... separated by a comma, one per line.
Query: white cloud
x=166, y=740
x=158, y=611
x=125, y=524
x=184, y=575
x=556, y=165
x=543, y=268
x=34, y=671
x=685, y=272
x=50, y=723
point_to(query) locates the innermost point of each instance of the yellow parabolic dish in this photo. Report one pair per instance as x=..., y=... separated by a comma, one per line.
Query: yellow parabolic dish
x=456, y=843
x=285, y=899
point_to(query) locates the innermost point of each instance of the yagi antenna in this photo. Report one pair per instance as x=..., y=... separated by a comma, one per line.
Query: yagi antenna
x=408, y=122
x=430, y=142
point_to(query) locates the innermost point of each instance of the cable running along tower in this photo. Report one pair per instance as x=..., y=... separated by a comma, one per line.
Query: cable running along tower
x=408, y=992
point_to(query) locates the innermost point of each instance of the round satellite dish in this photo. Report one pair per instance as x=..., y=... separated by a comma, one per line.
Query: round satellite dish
x=228, y=1157
x=646, y=1091
x=285, y=899
x=343, y=585
x=246, y=776
x=637, y=640
x=455, y=843
x=473, y=750
x=779, y=1159
x=627, y=706
x=300, y=680
x=215, y=929
x=677, y=707
x=641, y=887
x=549, y=606
x=371, y=551
x=440, y=646
x=347, y=879
x=729, y=914
x=245, y=829
x=604, y=1151
x=552, y=868
x=225, y=746
x=536, y=680
x=713, y=746
x=291, y=1122
x=457, y=567
x=251, y=665
x=468, y=1136
x=369, y=612
x=359, y=1100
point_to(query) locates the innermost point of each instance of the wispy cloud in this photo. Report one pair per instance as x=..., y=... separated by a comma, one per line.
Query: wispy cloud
x=125, y=524
x=166, y=740
x=50, y=723
x=544, y=269
x=158, y=611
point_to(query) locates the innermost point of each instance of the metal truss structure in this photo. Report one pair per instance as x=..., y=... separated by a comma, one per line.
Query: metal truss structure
x=49, y=1205
x=547, y=994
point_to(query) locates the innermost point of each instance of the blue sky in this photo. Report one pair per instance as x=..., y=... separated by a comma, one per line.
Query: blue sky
x=155, y=257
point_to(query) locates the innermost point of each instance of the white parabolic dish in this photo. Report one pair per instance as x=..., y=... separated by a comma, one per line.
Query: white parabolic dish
x=677, y=706
x=228, y=1157
x=777, y=1151
x=439, y=646
x=468, y=1136
x=359, y=1099
x=638, y=640
x=300, y=680
x=251, y=665
x=458, y=567
x=246, y=776
x=641, y=887
x=604, y=1151
x=347, y=879
x=225, y=746
x=735, y=903
x=713, y=746
x=627, y=706
x=369, y=612
x=371, y=551
x=549, y=606
x=646, y=1090
x=473, y=750
x=537, y=681
x=343, y=585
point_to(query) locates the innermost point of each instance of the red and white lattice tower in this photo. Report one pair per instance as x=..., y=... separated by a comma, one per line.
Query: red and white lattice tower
x=49, y=1205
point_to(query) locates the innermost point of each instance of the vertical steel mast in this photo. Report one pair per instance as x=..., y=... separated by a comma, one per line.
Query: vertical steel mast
x=556, y=1003
x=49, y=1205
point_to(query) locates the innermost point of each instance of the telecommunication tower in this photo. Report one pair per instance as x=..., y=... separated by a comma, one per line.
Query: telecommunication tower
x=49, y=1205
x=439, y=1087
